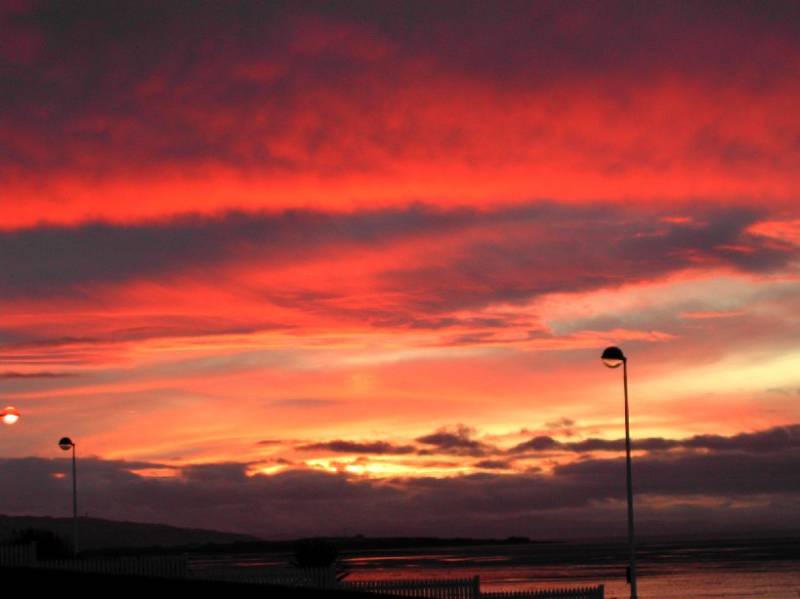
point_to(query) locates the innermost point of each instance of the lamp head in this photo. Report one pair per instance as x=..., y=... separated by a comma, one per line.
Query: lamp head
x=613, y=357
x=66, y=443
x=9, y=415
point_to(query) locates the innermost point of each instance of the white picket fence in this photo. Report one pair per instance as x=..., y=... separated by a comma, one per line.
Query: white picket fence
x=318, y=578
x=150, y=567
x=15, y=556
x=466, y=588
x=592, y=592
x=325, y=578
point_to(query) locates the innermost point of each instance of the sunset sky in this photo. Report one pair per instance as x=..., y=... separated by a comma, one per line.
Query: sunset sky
x=299, y=268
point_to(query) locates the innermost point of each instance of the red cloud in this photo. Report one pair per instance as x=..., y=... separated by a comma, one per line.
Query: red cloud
x=156, y=114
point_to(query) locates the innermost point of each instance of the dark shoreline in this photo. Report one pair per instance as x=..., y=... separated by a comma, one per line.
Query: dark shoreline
x=781, y=548
x=651, y=555
x=32, y=580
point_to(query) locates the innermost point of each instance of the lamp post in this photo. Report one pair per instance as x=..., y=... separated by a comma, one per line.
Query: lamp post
x=614, y=358
x=9, y=415
x=66, y=444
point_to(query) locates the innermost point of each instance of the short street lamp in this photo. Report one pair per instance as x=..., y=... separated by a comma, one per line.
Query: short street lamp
x=66, y=444
x=9, y=415
x=614, y=358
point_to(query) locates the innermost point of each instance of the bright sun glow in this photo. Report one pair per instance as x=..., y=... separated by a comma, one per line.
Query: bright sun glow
x=9, y=415
x=385, y=469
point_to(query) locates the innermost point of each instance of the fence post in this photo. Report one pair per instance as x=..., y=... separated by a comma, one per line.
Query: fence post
x=476, y=587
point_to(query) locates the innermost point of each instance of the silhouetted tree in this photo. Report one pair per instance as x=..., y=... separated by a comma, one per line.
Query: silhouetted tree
x=318, y=553
x=49, y=545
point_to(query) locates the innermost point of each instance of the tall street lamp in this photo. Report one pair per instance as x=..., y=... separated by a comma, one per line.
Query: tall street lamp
x=66, y=444
x=9, y=415
x=614, y=358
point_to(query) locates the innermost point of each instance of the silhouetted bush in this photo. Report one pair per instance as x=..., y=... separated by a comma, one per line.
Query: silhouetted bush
x=49, y=545
x=318, y=553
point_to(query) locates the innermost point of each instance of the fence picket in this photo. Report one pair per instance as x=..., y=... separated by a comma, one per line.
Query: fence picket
x=149, y=567
x=595, y=592
x=15, y=556
x=324, y=578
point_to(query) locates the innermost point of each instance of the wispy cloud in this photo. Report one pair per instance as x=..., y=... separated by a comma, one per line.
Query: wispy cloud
x=41, y=374
x=368, y=447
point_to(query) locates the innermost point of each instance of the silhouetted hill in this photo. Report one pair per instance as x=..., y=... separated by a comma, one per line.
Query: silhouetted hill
x=96, y=533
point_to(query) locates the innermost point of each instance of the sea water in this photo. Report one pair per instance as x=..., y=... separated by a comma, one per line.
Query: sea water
x=774, y=580
x=767, y=568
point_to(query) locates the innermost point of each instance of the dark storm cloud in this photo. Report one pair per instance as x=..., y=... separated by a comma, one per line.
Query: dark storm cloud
x=720, y=237
x=545, y=40
x=49, y=259
x=307, y=502
x=221, y=472
x=578, y=249
x=141, y=83
x=777, y=439
x=460, y=441
x=372, y=447
x=538, y=443
x=528, y=251
x=457, y=441
x=719, y=474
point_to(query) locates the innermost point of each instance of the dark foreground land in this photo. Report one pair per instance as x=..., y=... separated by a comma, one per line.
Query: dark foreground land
x=52, y=582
